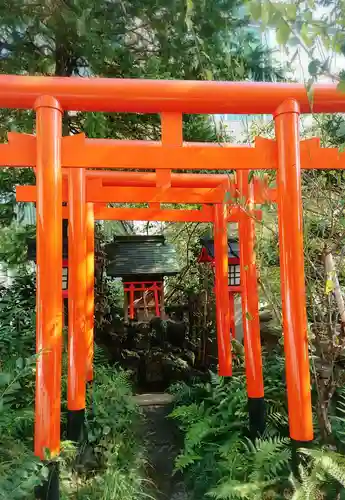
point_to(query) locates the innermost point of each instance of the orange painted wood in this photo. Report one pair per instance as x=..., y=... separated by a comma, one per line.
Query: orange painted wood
x=250, y=296
x=221, y=289
x=156, y=96
x=290, y=218
x=162, y=215
x=262, y=193
x=172, y=128
x=49, y=278
x=90, y=299
x=232, y=315
x=163, y=178
x=77, y=291
x=108, y=153
x=155, y=195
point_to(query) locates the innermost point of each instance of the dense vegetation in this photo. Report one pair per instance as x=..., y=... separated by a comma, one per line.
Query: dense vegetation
x=109, y=465
x=220, y=461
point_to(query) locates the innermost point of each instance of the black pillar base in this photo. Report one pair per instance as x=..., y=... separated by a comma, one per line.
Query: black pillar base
x=50, y=489
x=76, y=425
x=296, y=459
x=257, y=417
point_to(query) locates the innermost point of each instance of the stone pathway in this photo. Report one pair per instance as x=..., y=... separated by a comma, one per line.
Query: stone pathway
x=162, y=443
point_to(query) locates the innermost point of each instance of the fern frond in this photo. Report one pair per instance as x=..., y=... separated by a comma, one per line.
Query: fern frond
x=188, y=414
x=231, y=490
x=184, y=460
x=269, y=457
x=197, y=432
x=329, y=461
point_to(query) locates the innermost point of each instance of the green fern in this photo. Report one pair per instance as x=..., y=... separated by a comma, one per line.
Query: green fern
x=269, y=457
x=328, y=461
x=236, y=490
x=100, y=357
x=217, y=460
x=309, y=485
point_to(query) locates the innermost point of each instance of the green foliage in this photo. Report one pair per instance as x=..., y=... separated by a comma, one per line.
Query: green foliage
x=217, y=458
x=13, y=244
x=17, y=317
x=111, y=395
x=254, y=469
x=9, y=178
x=219, y=461
x=109, y=467
x=20, y=470
x=314, y=27
x=321, y=476
x=113, y=444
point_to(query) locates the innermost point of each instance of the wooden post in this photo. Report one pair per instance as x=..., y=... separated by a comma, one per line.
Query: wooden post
x=49, y=287
x=156, y=299
x=232, y=315
x=131, y=301
x=90, y=300
x=221, y=289
x=77, y=294
x=250, y=310
x=292, y=271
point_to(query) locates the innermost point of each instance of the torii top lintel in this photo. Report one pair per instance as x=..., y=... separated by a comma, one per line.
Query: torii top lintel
x=155, y=96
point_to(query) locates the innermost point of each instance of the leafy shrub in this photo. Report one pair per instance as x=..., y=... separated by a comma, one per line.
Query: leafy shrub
x=20, y=470
x=17, y=318
x=218, y=459
x=114, y=451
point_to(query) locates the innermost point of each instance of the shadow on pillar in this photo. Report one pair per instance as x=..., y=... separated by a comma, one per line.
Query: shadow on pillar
x=76, y=425
x=50, y=489
x=257, y=417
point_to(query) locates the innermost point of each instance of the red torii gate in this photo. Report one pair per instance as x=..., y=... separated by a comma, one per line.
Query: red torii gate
x=259, y=187
x=49, y=151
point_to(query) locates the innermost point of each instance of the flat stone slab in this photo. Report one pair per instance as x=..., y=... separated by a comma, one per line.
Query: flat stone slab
x=155, y=399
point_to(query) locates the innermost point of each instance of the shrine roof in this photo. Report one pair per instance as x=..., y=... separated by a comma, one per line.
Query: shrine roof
x=141, y=255
x=233, y=247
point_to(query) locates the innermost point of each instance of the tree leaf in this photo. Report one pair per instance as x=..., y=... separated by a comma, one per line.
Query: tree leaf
x=106, y=430
x=255, y=10
x=341, y=86
x=314, y=67
x=283, y=32
x=5, y=378
x=305, y=35
x=291, y=11
x=208, y=75
x=265, y=15
x=20, y=363
x=189, y=13
x=240, y=70
x=340, y=132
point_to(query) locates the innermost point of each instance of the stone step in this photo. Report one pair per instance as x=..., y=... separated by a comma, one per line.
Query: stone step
x=154, y=399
